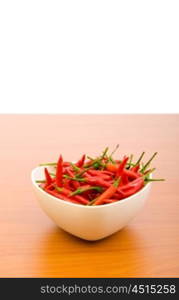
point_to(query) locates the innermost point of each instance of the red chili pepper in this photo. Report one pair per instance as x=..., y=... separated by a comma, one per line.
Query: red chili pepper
x=74, y=183
x=107, y=172
x=66, y=164
x=112, y=168
x=69, y=172
x=131, y=184
x=63, y=191
x=131, y=174
x=108, y=193
x=50, y=186
x=121, y=167
x=119, y=195
x=109, y=201
x=67, y=193
x=99, y=173
x=124, y=179
x=59, y=172
x=66, y=183
x=96, y=181
x=47, y=177
x=134, y=189
x=81, y=199
x=80, y=163
x=117, y=168
x=61, y=196
x=135, y=168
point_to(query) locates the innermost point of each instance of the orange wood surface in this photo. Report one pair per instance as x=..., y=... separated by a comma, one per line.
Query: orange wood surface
x=31, y=245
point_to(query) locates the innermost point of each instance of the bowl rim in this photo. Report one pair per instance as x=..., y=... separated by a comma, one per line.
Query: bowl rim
x=86, y=206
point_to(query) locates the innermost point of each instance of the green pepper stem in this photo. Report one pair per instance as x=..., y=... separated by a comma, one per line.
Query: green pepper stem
x=89, y=157
x=74, y=178
x=104, y=153
x=110, y=158
x=48, y=164
x=140, y=158
x=148, y=163
x=91, y=202
x=59, y=189
x=117, y=146
x=149, y=171
x=94, y=161
x=40, y=181
x=117, y=181
x=75, y=168
x=82, y=190
x=154, y=179
x=82, y=172
x=130, y=159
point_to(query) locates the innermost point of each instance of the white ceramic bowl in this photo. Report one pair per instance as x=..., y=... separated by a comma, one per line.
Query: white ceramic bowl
x=89, y=222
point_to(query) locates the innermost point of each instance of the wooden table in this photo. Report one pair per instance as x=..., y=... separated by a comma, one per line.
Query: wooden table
x=30, y=243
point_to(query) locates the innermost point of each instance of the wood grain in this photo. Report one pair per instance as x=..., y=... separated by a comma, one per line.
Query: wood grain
x=30, y=243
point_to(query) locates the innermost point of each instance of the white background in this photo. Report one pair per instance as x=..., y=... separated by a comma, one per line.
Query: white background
x=89, y=56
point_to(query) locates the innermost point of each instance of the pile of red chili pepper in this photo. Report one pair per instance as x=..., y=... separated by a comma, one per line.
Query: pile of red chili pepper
x=97, y=181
